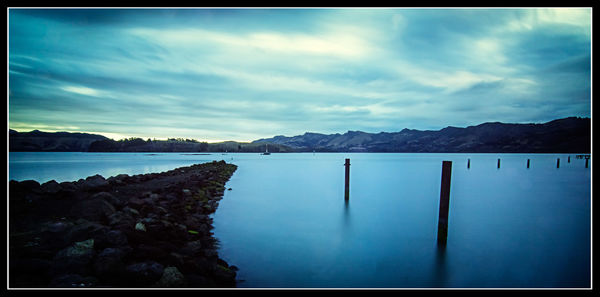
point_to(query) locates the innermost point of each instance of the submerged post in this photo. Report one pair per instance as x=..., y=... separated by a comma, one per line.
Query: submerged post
x=347, y=186
x=527, y=163
x=569, y=159
x=498, y=163
x=557, y=162
x=468, y=163
x=444, y=203
x=586, y=162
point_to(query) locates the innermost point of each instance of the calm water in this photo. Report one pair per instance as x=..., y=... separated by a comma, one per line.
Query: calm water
x=285, y=222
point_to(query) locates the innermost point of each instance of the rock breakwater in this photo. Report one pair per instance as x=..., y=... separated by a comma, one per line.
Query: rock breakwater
x=147, y=230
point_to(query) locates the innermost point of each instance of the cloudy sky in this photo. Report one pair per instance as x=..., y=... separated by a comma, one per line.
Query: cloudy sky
x=245, y=74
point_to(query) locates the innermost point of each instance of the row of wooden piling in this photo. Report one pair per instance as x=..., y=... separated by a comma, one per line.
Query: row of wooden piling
x=529, y=162
x=442, y=234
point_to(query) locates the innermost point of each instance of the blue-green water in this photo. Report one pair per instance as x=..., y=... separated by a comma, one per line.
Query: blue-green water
x=285, y=222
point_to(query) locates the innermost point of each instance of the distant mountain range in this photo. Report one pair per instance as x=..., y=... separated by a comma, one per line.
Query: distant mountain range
x=568, y=135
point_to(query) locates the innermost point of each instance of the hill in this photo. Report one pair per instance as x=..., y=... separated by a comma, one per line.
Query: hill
x=568, y=135
x=38, y=141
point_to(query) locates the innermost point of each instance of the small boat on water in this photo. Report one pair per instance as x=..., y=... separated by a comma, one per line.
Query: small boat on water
x=266, y=150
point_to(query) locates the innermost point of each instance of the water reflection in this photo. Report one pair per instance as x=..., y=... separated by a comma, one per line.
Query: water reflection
x=346, y=213
x=440, y=270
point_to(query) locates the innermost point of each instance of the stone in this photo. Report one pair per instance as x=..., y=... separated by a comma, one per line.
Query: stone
x=116, y=238
x=140, y=227
x=51, y=187
x=75, y=259
x=171, y=278
x=144, y=274
x=109, y=263
x=93, y=209
x=94, y=182
x=30, y=185
x=84, y=229
x=121, y=218
x=136, y=203
x=191, y=248
x=108, y=197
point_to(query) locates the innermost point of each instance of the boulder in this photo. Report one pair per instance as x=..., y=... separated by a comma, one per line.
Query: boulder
x=93, y=209
x=85, y=229
x=51, y=187
x=108, y=197
x=94, y=182
x=116, y=238
x=191, y=248
x=171, y=278
x=75, y=259
x=144, y=274
x=109, y=263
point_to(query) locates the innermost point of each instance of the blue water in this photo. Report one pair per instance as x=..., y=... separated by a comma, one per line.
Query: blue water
x=285, y=222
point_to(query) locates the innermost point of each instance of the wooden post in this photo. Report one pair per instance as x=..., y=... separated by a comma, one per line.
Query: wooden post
x=569, y=159
x=347, y=186
x=498, y=163
x=586, y=162
x=557, y=162
x=468, y=163
x=444, y=203
x=527, y=163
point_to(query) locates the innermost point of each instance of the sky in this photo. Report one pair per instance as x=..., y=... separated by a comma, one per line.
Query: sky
x=244, y=74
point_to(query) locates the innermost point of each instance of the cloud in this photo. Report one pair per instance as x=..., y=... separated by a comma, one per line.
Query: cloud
x=81, y=90
x=244, y=74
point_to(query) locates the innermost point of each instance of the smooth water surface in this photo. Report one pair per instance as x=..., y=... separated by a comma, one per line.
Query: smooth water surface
x=285, y=222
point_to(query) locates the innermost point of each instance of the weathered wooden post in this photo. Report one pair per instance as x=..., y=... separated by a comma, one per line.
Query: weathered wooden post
x=527, y=163
x=557, y=162
x=498, y=163
x=468, y=163
x=569, y=159
x=444, y=203
x=347, y=186
x=586, y=162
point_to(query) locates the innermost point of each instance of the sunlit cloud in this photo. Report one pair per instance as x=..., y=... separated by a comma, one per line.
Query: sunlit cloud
x=81, y=90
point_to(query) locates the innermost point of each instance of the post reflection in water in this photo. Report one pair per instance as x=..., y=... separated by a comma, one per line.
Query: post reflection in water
x=439, y=273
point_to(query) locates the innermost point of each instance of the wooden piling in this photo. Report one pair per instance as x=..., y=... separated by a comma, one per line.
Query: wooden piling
x=444, y=203
x=498, y=163
x=586, y=162
x=569, y=159
x=527, y=163
x=347, y=183
x=468, y=163
x=557, y=162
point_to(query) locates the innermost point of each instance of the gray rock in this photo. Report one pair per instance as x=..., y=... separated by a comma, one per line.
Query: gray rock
x=171, y=278
x=108, y=197
x=191, y=248
x=75, y=259
x=94, y=182
x=93, y=209
x=108, y=263
x=116, y=238
x=51, y=187
x=144, y=274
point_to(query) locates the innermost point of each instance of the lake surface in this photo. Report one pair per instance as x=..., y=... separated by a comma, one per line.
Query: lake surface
x=285, y=223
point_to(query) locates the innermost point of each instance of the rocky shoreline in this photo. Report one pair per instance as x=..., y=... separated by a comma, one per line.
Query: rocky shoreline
x=140, y=231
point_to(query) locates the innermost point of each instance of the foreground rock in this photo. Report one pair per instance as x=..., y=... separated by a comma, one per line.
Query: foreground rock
x=149, y=230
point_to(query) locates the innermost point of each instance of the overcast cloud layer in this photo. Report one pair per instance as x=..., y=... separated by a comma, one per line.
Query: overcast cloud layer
x=246, y=74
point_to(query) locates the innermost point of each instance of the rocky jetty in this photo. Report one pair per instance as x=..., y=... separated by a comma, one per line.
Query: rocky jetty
x=140, y=231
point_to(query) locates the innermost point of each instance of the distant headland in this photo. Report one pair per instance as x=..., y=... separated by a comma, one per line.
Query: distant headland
x=567, y=135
